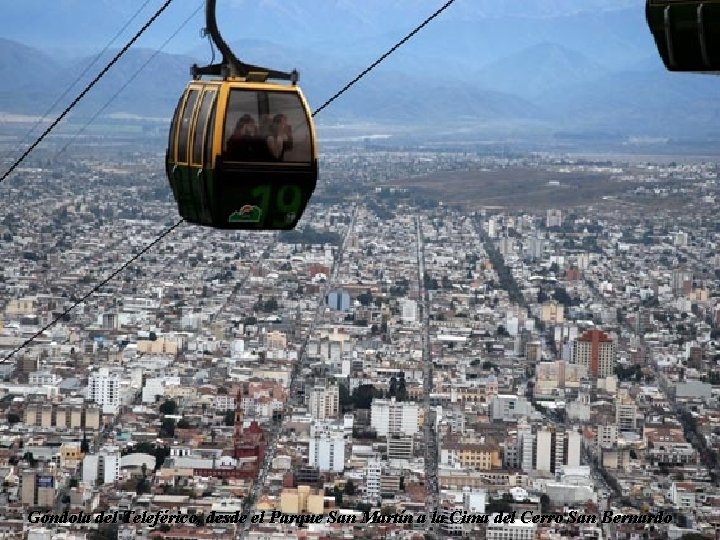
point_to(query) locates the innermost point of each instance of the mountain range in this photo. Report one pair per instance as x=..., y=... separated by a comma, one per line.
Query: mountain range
x=489, y=66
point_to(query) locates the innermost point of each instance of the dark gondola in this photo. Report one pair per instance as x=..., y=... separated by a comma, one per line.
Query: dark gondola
x=687, y=33
x=242, y=150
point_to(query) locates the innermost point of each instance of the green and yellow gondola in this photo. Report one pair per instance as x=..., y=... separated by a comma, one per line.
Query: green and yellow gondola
x=242, y=150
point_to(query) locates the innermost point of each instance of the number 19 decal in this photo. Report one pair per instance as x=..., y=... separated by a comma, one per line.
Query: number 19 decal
x=288, y=203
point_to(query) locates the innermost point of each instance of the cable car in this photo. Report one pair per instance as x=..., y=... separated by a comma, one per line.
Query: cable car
x=242, y=149
x=687, y=33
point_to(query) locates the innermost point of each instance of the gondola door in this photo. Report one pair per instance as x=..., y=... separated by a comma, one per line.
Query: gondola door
x=200, y=165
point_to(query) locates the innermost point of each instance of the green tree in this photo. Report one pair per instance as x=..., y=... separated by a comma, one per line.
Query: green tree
x=167, y=429
x=229, y=417
x=345, y=398
x=168, y=407
x=338, y=497
x=402, y=393
x=392, y=391
x=350, y=488
x=364, y=394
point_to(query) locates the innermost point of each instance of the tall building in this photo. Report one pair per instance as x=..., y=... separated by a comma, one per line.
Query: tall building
x=37, y=488
x=557, y=448
x=327, y=448
x=553, y=218
x=102, y=467
x=373, y=474
x=325, y=402
x=408, y=309
x=553, y=313
x=596, y=351
x=625, y=413
x=681, y=281
x=338, y=300
x=104, y=389
x=526, y=442
x=390, y=417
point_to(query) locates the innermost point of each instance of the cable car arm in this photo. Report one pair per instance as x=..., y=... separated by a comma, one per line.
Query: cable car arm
x=231, y=66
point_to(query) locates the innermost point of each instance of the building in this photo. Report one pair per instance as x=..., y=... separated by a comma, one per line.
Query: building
x=338, y=300
x=102, y=467
x=469, y=453
x=509, y=408
x=327, y=448
x=516, y=530
x=399, y=447
x=68, y=416
x=302, y=500
x=552, y=313
x=390, y=417
x=625, y=413
x=37, y=488
x=373, y=475
x=276, y=340
x=325, y=402
x=553, y=218
x=596, y=352
x=526, y=442
x=104, y=389
x=408, y=310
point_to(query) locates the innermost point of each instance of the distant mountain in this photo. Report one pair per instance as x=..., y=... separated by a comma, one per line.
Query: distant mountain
x=539, y=69
x=490, y=66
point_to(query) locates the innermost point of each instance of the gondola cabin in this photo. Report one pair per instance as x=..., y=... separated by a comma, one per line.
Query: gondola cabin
x=242, y=154
x=687, y=33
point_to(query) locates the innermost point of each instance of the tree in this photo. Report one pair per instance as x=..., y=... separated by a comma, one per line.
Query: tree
x=167, y=429
x=364, y=394
x=350, y=488
x=544, y=503
x=392, y=391
x=338, y=496
x=402, y=393
x=183, y=424
x=13, y=418
x=345, y=399
x=229, y=418
x=168, y=407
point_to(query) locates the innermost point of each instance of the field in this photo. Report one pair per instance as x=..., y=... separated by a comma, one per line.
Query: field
x=515, y=188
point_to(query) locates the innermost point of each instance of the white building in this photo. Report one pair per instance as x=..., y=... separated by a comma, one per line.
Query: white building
x=327, y=447
x=390, y=417
x=544, y=450
x=553, y=218
x=373, y=472
x=508, y=407
x=408, y=310
x=325, y=402
x=509, y=531
x=526, y=442
x=104, y=389
x=103, y=467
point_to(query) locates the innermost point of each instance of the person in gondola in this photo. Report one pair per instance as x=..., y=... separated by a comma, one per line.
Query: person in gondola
x=242, y=144
x=279, y=140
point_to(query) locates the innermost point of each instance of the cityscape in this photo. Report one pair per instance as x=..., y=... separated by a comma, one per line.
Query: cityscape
x=395, y=356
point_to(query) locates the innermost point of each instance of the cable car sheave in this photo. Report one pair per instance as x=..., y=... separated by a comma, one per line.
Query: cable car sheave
x=687, y=33
x=242, y=151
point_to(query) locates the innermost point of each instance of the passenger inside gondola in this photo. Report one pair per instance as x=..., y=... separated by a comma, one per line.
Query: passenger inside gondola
x=279, y=139
x=243, y=143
